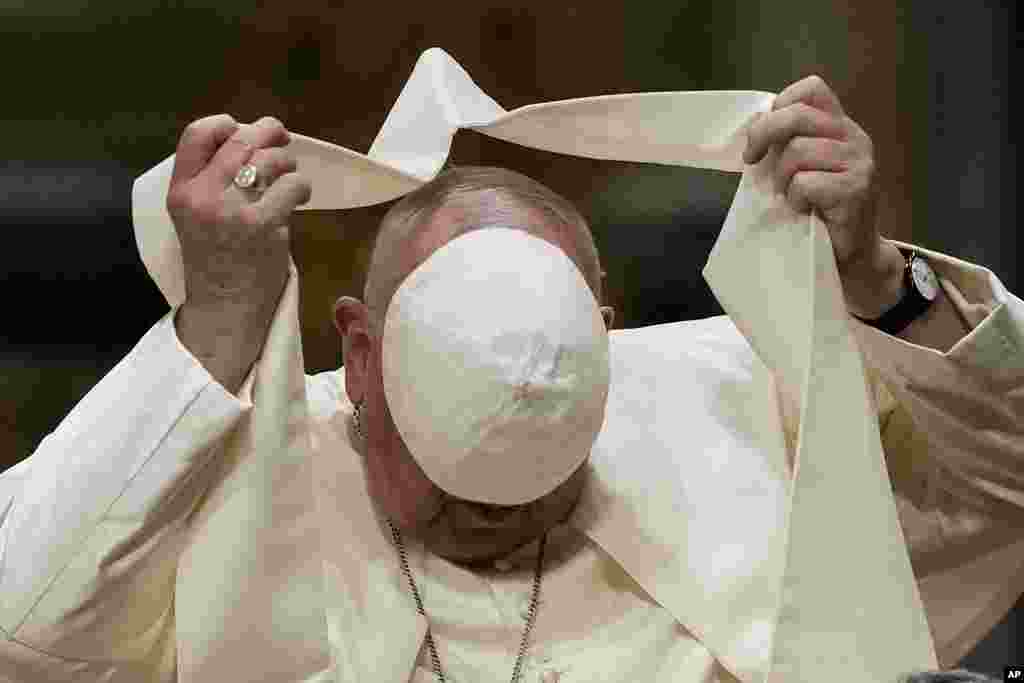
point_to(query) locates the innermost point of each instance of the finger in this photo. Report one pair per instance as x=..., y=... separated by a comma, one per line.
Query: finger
x=810, y=154
x=279, y=201
x=779, y=127
x=813, y=91
x=271, y=163
x=198, y=143
x=821, y=190
x=239, y=148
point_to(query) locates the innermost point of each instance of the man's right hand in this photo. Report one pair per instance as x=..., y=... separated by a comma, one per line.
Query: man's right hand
x=234, y=241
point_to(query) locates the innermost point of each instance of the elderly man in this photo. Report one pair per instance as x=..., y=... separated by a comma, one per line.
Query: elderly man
x=122, y=555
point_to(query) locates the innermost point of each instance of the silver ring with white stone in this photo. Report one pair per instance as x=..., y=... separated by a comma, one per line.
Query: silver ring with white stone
x=247, y=178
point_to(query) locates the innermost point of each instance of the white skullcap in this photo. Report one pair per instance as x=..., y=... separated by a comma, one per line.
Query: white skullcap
x=495, y=365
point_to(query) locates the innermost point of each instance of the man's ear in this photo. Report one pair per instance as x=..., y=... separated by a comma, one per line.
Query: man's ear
x=608, y=313
x=352, y=321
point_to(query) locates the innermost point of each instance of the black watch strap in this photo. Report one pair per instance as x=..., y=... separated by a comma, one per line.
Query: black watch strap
x=909, y=307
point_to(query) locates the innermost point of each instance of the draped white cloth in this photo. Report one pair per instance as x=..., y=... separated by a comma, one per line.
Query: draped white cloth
x=805, y=591
x=773, y=271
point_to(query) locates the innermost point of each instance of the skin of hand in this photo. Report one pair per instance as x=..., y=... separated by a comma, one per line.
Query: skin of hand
x=234, y=241
x=825, y=162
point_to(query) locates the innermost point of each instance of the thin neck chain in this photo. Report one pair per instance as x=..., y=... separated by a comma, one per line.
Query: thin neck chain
x=419, y=604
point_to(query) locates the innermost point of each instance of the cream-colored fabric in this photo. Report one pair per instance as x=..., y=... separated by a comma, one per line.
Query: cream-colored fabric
x=595, y=623
x=693, y=388
x=956, y=456
x=801, y=334
x=245, y=527
x=93, y=523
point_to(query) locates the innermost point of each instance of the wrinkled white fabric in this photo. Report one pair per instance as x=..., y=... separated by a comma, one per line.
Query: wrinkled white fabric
x=594, y=623
x=791, y=313
x=126, y=551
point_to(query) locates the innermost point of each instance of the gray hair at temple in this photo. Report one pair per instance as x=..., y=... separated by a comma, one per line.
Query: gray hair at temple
x=953, y=676
x=483, y=193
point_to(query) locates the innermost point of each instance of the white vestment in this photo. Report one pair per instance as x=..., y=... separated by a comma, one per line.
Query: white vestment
x=169, y=531
x=121, y=556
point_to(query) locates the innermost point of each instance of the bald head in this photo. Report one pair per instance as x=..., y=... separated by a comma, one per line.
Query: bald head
x=464, y=199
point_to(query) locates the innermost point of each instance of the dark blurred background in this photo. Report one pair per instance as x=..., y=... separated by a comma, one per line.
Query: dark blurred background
x=97, y=92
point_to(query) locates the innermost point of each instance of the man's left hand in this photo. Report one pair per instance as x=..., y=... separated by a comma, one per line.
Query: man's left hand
x=825, y=162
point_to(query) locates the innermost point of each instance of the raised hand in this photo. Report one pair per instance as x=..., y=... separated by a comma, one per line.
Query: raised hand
x=825, y=162
x=234, y=239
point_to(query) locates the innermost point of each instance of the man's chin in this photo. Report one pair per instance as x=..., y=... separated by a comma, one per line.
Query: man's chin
x=474, y=548
x=481, y=560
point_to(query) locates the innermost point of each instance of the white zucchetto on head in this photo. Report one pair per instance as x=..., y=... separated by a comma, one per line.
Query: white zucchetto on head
x=495, y=365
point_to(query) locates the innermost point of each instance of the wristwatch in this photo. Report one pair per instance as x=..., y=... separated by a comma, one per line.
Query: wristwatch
x=920, y=288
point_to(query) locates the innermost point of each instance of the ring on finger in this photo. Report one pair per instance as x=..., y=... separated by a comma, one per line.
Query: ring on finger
x=248, y=178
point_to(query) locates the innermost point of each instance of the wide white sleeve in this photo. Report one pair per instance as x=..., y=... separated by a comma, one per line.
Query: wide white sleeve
x=92, y=523
x=952, y=424
x=959, y=415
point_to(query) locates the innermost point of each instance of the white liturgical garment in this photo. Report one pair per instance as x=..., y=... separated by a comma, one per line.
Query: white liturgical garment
x=738, y=493
x=137, y=522
x=595, y=622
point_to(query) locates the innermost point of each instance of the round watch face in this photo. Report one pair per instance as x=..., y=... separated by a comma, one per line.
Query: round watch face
x=924, y=278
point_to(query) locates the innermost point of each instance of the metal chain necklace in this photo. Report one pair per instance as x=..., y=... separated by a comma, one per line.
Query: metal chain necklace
x=397, y=537
x=419, y=604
